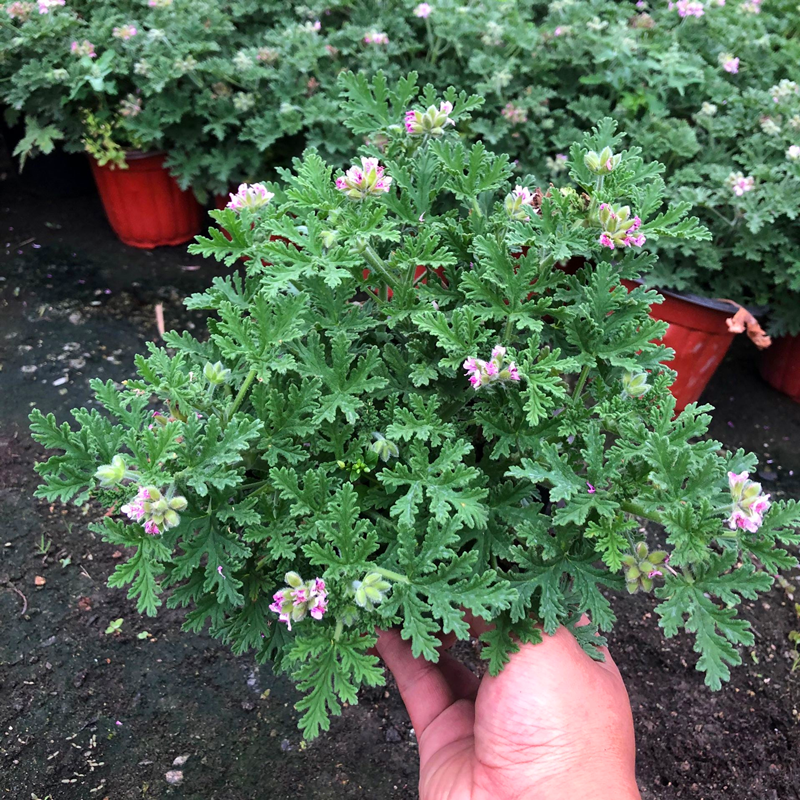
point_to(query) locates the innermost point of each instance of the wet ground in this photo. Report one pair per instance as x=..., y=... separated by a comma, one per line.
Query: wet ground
x=85, y=714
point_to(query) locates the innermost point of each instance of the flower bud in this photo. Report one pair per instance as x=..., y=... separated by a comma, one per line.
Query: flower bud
x=384, y=448
x=111, y=474
x=635, y=384
x=293, y=579
x=216, y=374
x=602, y=163
x=329, y=238
x=371, y=591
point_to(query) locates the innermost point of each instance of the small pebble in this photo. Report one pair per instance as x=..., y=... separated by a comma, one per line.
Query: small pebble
x=174, y=776
x=392, y=735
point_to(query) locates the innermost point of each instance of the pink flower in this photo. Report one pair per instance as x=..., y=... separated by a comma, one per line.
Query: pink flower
x=480, y=373
x=589, y=488
x=559, y=31
x=84, y=48
x=376, y=37
x=740, y=184
x=20, y=10
x=368, y=180
x=249, y=195
x=46, y=5
x=688, y=8
x=731, y=65
x=656, y=573
x=423, y=11
x=514, y=114
x=430, y=122
x=151, y=528
x=606, y=241
x=299, y=599
x=317, y=26
x=519, y=202
x=124, y=32
x=749, y=505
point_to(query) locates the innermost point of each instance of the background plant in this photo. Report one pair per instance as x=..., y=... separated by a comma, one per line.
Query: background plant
x=321, y=464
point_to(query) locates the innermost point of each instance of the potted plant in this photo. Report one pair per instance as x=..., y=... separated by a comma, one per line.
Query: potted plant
x=111, y=79
x=330, y=460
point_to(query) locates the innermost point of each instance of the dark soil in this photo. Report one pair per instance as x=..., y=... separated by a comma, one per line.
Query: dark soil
x=88, y=715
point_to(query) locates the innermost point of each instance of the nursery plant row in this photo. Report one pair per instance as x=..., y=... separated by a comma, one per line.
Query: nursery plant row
x=179, y=102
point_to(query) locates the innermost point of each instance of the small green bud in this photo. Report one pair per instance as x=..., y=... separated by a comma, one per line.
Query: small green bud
x=602, y=163
x=641, y=551
x=371, y=591
x=293, y=579
x=111, y=474
x=329, y=238
x=632, y=574
x=178, y=503
x=384, y=448
x=635, y=384
x=341, y=465
x=216, y=374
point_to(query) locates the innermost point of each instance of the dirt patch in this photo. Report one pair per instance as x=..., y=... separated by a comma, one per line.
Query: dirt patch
x=87, y=714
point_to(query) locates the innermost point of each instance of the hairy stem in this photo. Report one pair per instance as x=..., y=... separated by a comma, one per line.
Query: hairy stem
x=237, y=401
x=634, y=508
x=392, y=576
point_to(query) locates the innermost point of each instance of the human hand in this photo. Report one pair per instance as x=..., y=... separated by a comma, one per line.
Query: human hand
x=553, y=725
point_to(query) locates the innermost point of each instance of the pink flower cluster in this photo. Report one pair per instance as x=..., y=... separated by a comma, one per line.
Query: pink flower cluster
x=740, y=184
x=431, y=122
x=618, y=228
x=514, y=114
x=125, y=32
x=423, y=11
x=752, y=6
x=300, y=598
x=131, y=106
x=481, y=373
x=368, y=180
x=688, y=8
x=749, y=505
x=730, y=63
x=158, y=512
x=84, y=48
x=46, y=5
x=520, y=202
x=20, y=10
x=249, y=195
x=376, y=37
x=159, y=3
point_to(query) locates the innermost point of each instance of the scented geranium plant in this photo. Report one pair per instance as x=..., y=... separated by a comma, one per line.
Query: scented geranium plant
x=426, y=392
x=106, y=77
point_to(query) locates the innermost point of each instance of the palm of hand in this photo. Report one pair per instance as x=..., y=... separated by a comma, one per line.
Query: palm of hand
x=553, y=724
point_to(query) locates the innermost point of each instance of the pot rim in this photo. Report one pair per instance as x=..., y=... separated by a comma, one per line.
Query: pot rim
x=725, y=306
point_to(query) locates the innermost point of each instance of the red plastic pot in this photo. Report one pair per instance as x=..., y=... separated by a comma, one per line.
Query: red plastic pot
x=780, y=365
x=144, y=204
x=699, y=336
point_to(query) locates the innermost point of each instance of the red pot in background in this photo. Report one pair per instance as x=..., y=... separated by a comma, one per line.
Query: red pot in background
x=699, y=336
x=418, y=273
x=144, y=204
x=780, y=365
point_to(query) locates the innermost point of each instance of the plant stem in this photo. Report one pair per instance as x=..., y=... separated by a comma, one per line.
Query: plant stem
x=581, y=383
x=392, y=576
x=237, y=401
x=377, y=263
x=476, y=207
x=637, y=511
x=337, y=634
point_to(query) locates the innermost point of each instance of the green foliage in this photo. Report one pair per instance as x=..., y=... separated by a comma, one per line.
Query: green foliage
x=326, y=431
